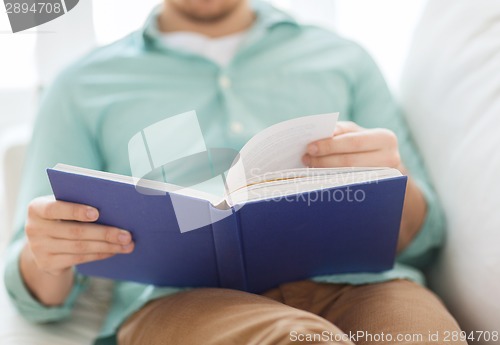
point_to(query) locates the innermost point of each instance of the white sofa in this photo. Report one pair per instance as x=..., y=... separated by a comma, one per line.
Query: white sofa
x=91, y=308
x=451, y=92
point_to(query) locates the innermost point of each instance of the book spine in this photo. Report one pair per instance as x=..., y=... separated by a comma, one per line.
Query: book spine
x=228, y=249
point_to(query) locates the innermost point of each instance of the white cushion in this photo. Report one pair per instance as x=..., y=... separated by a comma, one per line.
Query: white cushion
x=82, y=329
x=451, y=92
x=90, y=309
x=13, y=143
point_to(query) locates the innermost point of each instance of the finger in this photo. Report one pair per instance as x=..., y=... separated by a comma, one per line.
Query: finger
x=352, y=142
x=63, y=261
x=77, y=231
x=57, y=246
x=363, y=159
x=346, y=127
x=48, y=208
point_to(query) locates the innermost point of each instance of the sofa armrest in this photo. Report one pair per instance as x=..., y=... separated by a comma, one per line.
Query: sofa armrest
x=13, y=144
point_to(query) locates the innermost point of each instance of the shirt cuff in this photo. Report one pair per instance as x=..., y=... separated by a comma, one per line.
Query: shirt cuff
x=423, y=247
x=27, y=305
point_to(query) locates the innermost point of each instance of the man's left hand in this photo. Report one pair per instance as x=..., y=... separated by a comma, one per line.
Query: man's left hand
x=354, y=146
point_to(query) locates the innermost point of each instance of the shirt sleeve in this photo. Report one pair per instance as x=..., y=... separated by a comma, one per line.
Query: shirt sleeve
x=60, y=135
x=373, y=106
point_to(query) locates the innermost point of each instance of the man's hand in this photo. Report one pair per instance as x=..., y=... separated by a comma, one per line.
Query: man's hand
x=61, y=235
x=354, y=146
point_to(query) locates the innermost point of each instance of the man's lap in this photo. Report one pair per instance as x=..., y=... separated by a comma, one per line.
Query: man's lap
x=302, y=312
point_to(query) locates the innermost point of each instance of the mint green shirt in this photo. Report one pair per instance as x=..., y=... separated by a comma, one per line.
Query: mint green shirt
x=282, y=70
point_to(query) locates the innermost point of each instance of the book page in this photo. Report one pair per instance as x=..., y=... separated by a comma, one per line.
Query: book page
x=279, y=147
x=307, y=180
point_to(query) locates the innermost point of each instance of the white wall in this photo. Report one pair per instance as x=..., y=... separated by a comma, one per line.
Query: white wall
x=17, y=74
x=383, y=27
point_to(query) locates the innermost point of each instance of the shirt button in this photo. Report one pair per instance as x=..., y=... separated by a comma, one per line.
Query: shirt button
x=236, y=127
x=224, y=82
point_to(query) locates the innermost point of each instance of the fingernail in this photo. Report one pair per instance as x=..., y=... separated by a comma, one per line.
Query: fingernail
x=312, y=149
x=92, y=213
x=127, y=247
x=124, y=237
x=306, y=160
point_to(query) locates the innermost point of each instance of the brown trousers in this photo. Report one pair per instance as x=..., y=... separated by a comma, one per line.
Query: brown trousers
x=305, y=312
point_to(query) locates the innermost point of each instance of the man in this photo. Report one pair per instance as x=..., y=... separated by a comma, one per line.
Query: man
x=243, y=67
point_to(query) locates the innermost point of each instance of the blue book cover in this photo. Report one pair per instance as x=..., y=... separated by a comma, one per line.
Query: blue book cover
x=256, y=247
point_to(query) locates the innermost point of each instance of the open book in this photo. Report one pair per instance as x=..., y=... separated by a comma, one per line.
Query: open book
x=272, y=221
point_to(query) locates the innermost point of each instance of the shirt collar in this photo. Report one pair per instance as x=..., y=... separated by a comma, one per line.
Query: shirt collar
x=267, y=17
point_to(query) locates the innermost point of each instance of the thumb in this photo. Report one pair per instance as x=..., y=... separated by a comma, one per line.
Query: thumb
x=346, y=127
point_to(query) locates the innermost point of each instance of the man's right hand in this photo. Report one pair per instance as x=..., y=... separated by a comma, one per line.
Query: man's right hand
x=61, y=235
